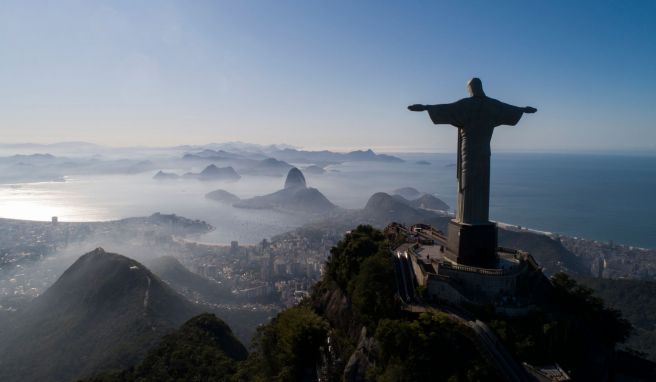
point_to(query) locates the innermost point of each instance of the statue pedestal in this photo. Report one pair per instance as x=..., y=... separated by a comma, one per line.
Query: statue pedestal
x=473, y=245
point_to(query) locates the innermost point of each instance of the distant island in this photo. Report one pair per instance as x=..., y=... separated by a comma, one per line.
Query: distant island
x=209, y=173
x=294, y=197
x=222, y=196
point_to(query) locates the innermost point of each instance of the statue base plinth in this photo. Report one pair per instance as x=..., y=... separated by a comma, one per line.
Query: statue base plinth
x=472, y=244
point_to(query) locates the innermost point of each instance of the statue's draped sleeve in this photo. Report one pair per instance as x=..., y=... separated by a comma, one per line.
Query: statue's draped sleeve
x=448, y=114
x=452, y=114
x=504, y=114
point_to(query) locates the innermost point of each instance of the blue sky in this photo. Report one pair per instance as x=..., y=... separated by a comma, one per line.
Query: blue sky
x=325, y=74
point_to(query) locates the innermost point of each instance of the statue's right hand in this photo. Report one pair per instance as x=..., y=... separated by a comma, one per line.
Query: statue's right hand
x=417, y=107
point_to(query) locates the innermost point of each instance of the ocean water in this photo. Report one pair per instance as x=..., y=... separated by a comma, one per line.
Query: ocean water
x=601, y=197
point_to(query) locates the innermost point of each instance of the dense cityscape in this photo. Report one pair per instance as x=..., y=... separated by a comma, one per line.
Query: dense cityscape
x=276, y=273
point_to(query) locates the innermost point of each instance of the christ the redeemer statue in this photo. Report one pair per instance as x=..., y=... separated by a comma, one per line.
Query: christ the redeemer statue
x=475, y=117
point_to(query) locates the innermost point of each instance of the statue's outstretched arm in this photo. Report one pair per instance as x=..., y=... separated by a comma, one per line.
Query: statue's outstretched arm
x=529, y=109
x=418, y=107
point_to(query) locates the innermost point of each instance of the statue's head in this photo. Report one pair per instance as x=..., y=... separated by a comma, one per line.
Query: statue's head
x=475, y=87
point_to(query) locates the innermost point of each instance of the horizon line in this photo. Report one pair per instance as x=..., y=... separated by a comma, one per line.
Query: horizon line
x=346, y=149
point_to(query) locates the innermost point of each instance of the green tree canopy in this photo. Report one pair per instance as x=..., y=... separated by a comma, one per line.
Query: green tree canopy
x=346, y=257
x=288, y=348
x=579, y=301
x=432, y=347
x=373, y=290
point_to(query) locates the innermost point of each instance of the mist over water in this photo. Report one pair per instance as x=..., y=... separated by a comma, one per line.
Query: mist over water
x=111, y=197
x=603, y=197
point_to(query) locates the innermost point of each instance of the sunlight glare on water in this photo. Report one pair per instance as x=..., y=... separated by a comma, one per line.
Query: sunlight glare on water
x=42, y=200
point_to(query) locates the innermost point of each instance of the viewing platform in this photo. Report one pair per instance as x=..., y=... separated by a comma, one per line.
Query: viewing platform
x=422, y=250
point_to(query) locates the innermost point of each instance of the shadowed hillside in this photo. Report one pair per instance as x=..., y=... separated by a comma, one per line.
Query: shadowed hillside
x=104, y=312
x=203, y=349
x=181, y=279
x=636, y=299
x=548, y=252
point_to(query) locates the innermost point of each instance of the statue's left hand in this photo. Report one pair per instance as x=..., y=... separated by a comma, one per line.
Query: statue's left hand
x=529, y=109
x=417, y=107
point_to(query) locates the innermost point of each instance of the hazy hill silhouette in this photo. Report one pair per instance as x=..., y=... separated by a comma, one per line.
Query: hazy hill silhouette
x=212, y=172
x=104, y=312
x=414, y=198
x=245, y=154
x=637, y=301
x=425, y=201
x=549, y=253
x=430, y=202
x=409, y=193
x=222, y=196
x=269, y=167
x=181, y=279
x=384, y=207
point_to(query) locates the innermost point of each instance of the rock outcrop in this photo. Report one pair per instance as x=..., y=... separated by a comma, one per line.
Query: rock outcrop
x=295, y=178
x=361, y=359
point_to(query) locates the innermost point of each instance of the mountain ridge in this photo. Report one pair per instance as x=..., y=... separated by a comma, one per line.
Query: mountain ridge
x=105, y=311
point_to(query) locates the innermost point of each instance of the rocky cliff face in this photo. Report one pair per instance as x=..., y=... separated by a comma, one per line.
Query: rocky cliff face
x=336, y=308
x=361, y=359
x=351, y=364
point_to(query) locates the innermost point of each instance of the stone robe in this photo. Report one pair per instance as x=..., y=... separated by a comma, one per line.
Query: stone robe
x=475, y=117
